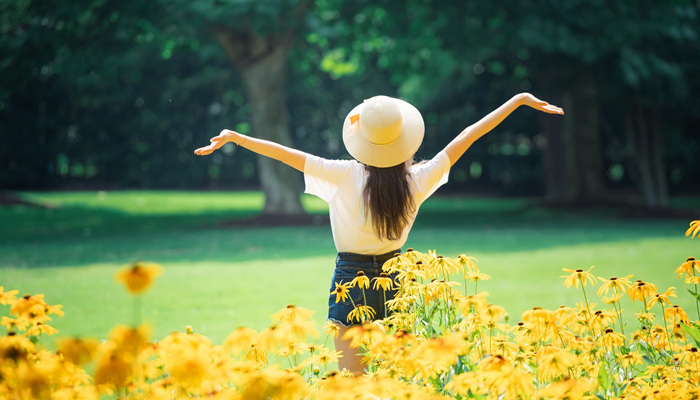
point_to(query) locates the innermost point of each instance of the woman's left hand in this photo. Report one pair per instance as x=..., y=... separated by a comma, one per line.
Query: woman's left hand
x=532, y=101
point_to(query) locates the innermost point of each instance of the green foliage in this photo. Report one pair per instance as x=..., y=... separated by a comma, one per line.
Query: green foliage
x=118, y=94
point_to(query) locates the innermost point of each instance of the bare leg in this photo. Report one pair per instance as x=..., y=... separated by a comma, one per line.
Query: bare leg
x=352, y=359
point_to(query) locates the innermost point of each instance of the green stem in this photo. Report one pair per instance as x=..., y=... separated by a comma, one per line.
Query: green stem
x=697, y=303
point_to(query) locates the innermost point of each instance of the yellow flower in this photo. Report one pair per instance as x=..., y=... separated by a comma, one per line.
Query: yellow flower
x=611, y=339
x=618, y=285
x=240, y=339
x=361, y=314
x=615, y=298
x=693, y=280
x=291, y=313
x=13, y=324
x=78, y=351
x=361, y=280
x=674, y=313
x=39, y=328
x=467, y=263
x=641, y=290
x=689, y=268
x=341, y=291
x=257, y=355
x=553, y=362
x=476, y=276
x=7, y=297
x=694, y=229
x=630, y=359
x=578, y=276
x=23, y=305
x=112, y=370
x=331, y=329
x=537, y=314
x=15, y=346
x=139, y=276
x=662, y=298
x=326, y=357
x=442, y=265
x=384, y=282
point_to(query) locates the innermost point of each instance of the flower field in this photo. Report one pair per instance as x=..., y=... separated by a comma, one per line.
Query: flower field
x=443, y=340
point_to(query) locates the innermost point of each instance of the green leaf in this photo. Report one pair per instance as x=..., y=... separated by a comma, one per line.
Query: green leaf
x=693, y=332
x=695, y=294
x=603, y=378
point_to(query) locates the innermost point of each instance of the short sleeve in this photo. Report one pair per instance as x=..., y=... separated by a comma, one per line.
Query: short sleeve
x=322, y=177
x=430, y=175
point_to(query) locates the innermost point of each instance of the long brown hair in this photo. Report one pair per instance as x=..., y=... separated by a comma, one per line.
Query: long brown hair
x=388, y=199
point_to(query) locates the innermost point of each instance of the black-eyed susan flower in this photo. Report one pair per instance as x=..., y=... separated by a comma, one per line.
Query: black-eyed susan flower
x=78, y=350
x=384, y=282
x=617, y=285
x=640, y=291
x=40, y=328
x=467, y=263
x=257, y=355
x=7, y=297
x=662, y=298
x=341, y=291
x=291, y=313
x=21, y=306
x=361, y=280
x=553, y=362
x=361, y=314
x=14, y=324
x=139, y=276
x=578, y=276
x=476, y=276
x=331, y=329
x=690, y=267
x=675, y=313
x=611, y=339
x=444, y=266
x=630, y=359
x=112, y=370
x=240, y=339
x=694, y=229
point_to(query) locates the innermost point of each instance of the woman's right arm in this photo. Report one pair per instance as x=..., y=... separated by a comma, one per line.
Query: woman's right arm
x=292, y=157
x=456, y=148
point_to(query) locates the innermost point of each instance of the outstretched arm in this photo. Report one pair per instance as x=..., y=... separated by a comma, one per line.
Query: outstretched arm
x=292, y=157
x=456, y=148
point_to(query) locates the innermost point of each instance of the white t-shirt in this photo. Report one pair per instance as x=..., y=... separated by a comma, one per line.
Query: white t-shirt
x=340, y=184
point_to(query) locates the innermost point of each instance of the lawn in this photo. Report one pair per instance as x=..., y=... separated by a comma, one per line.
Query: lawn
x=218, y=277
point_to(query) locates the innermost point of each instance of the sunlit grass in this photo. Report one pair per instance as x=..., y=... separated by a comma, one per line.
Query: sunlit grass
x=218, y=278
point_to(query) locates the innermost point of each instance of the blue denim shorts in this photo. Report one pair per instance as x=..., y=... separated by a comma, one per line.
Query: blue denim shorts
x=347, y=265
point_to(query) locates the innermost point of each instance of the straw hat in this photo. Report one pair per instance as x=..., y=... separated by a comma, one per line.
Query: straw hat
x=383, y=131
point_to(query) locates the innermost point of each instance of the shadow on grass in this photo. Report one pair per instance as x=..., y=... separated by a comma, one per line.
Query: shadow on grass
x=84, y=234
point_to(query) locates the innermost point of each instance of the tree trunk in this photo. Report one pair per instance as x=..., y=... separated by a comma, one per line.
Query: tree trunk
x=261, y=62
x=574, y=172
x=647, y=170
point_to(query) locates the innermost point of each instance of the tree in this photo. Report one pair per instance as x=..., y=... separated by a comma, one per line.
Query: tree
x=257, y=37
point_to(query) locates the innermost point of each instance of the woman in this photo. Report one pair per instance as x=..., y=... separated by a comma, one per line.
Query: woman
x=373, y=200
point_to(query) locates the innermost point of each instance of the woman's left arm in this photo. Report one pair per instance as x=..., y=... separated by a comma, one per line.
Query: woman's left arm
x=456, y=148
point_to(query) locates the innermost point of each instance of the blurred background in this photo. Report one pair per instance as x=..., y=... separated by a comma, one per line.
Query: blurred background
x=100, y=94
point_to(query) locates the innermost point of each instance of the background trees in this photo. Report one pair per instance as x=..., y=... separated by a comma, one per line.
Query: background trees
x=114, y=94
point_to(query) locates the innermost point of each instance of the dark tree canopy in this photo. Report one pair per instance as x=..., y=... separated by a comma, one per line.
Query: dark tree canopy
x=117, y=94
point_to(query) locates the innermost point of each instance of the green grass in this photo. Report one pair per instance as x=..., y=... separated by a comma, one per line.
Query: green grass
x=218, y=278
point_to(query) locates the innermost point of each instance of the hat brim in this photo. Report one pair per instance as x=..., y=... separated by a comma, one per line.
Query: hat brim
x=390, y=154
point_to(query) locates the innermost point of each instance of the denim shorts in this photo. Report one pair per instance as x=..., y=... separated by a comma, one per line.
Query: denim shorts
x=347, y=265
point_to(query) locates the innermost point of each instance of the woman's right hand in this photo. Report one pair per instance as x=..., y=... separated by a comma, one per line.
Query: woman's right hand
x=531, y=101
x=217, y=142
